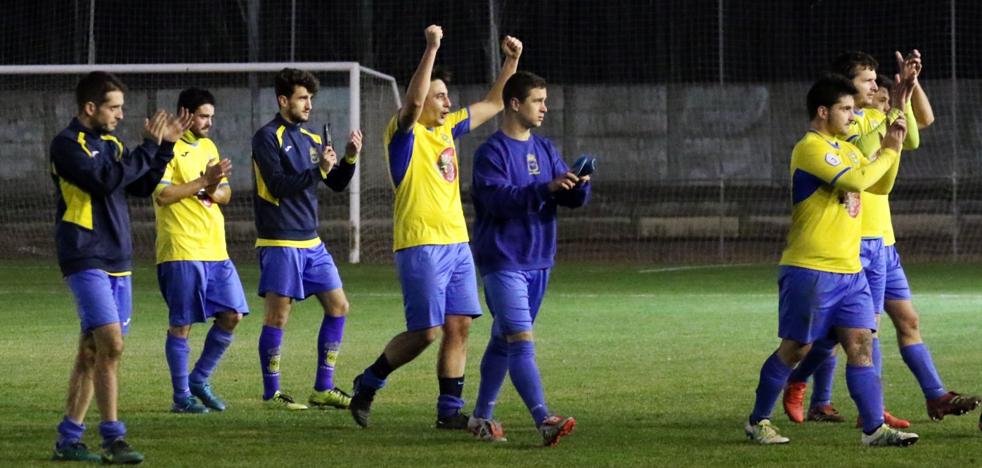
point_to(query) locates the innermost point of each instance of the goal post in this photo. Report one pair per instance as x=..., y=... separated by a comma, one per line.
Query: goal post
x=346, y=74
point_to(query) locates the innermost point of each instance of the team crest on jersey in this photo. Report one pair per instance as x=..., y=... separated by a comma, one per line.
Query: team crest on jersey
x=445, y=138
x=832, y=159
x=446, y=165
x=314, y=157
x=533, y=164
x=854, y=158
x=851, y=201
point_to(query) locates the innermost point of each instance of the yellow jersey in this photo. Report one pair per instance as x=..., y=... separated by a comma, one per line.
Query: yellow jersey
x=192, y=228
x=423, y=166
x=825, y=220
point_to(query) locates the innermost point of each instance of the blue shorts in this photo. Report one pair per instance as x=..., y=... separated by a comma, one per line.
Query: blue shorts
x=297, y=273
x=437, y=280
x=514, y=298
x=196, y=291
x=897, y=288
x=814, y=302
x=871, y=255
x=101, y=298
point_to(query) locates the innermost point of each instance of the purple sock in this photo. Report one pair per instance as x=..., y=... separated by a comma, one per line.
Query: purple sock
x=177, y=352
x=216, y=343
x=494, y=367
x=525, y=376
x=918, y=359
x=824, y=376
x=865, y=390
x=110, y=431
x=270, y=339
x=773, y=376
x=328, y=346
x=69, y=432
x=817, y=356
x=877, y=358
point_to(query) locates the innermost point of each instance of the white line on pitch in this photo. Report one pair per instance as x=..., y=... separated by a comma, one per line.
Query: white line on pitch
x=696, y=267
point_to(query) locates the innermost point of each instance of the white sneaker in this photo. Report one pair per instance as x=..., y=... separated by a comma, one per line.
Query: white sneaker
x=887, y=436
x=764, y=433
x=486, y=429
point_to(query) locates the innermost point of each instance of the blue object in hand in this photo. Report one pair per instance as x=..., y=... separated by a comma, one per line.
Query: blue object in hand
x=584, y=165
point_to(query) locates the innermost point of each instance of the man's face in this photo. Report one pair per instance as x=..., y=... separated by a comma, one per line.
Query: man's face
x=106, y=116
x=881, y=100
x=840, y=115
x=865, y=82
x=532, y=111
x=296, y=108
x=437, y=105
x=202, y=119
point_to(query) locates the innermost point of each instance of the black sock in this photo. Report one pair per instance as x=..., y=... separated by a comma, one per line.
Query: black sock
x=381, y=367
x=453, y=386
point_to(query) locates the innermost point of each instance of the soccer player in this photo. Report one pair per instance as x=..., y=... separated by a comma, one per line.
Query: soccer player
x=92, y=173
x=519, y=181
x=196, y=276
x=436, y=269
x=288, y=162
x=888, y=283
x=823, y=291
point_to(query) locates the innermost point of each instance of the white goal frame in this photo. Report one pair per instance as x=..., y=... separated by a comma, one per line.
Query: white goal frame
x=354, y=70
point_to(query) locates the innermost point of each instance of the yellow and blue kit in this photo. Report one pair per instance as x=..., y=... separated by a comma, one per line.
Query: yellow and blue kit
x=423, y=164
x=192, y=228
x=92, y=172
x=285, y=164
x=827, y=177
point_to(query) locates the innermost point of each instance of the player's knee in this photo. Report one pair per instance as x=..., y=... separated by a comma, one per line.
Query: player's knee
x=179, y=331
x=338, y=308
x=228, y=320
x=110, y=349
x=424, y=338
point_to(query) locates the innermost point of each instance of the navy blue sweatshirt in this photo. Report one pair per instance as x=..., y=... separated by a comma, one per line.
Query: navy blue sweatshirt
x=284, y=157
x=92, y=172
x=515, y=228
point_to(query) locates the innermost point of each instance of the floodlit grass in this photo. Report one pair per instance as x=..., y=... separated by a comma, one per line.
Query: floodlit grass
x=658, y=365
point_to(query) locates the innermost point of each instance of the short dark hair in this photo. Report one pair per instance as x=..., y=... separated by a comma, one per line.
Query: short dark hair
x=883, y=82
x=849, y=63
x=94, y=87
x=289, y=78
x=441, y=73
x=193, y=98
x=827, y=91
x=520, y=85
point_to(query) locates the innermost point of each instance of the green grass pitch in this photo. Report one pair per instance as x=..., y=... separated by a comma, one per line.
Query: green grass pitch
x=658, y=366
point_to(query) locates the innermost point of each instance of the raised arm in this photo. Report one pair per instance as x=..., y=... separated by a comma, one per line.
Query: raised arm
x=922, y=106
x=419, y=85
x=167, y=194
x=878, y=176
x=485, y=109
x=340, y=175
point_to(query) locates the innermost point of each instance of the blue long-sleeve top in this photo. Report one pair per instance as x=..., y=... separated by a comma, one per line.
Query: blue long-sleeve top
x=285, y=164
x=93, y=172
x=515, y=227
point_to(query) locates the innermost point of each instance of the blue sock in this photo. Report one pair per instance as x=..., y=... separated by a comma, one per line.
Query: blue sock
x=177, y=352
x=217, y=341
x=918, y=359
x=371, y=382
x=69, y=432
x=110, y=431
x=824, y=376
x=525, y=376
x=270, y=339
x=820, y=351
x=494, y=367
x=328, y=346
x=877, y=358
x=865, y=390
x=773, y=376
x=450, y=401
